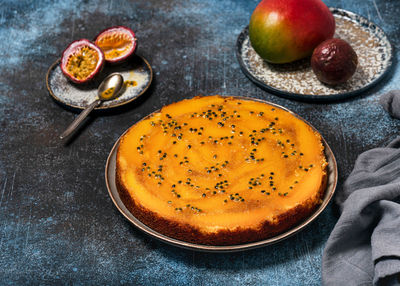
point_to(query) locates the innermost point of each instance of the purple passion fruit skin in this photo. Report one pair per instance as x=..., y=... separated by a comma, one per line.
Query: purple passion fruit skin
x=117, y=43
x=81, y=61
x=283, y=31
x=334, y=61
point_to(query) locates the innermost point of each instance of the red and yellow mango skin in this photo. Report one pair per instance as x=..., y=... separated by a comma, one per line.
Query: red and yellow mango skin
x=283, y=31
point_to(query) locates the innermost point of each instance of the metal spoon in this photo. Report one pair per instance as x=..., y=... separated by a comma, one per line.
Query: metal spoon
x=108, y=89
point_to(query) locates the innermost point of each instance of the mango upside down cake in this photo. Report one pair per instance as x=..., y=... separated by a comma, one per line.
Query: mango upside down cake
x=221, y=170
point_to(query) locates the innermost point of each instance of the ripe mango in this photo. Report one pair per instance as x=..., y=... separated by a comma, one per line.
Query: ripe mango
x=282, y=31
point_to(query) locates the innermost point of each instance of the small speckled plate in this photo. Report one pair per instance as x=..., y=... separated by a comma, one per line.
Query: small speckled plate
x=136, y=71
x=297, y=81
x=113, y=192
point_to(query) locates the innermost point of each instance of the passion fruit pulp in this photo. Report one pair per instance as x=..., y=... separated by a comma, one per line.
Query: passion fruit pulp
x=117, y=43
x=81, y=61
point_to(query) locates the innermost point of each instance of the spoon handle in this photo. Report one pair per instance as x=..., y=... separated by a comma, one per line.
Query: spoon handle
x=78, y=120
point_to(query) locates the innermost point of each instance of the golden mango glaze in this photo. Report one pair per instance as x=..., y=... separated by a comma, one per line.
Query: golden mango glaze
x=221, y=164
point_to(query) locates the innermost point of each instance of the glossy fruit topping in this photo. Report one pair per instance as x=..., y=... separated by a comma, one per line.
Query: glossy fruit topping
x=334, y=61
x=117, y=43
x=81, y=61
x=283, y=31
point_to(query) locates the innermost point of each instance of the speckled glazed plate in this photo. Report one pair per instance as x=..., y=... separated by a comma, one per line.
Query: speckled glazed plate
x=137, y=74
x=113, y=192
x=297, y=80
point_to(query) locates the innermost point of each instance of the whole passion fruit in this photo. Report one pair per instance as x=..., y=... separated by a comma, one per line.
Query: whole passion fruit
x=334, y=61
x=117, y=43
x=81, y=61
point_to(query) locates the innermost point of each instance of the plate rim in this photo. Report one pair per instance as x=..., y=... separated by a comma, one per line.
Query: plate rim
x=314, y=97
x=332, y=171
x=57, y=99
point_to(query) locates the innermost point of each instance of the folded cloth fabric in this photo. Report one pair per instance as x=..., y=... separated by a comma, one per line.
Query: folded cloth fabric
x=391, y=102
x=364, y=246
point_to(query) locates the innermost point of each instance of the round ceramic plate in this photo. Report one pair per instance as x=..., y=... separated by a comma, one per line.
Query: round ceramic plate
x=112, y=190
x=137, y=74
x=297, y=80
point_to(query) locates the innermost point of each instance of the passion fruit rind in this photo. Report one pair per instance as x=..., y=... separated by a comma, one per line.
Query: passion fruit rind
x=81, y=61
x=334, y=61
x=118, y=43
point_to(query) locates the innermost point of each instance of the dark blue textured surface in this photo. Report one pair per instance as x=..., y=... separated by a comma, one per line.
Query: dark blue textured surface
x=57, y=222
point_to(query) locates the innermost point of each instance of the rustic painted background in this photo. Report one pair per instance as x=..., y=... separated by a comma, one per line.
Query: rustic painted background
x=57, y=222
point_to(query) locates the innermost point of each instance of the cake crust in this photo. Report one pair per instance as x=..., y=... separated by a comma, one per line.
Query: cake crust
x=186, y=232
x=190, y=232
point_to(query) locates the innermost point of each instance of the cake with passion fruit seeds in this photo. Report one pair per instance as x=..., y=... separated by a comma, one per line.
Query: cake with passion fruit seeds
x=221, y=170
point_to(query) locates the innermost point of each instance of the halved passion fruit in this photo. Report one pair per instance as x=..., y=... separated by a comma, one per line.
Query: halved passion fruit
x=117, y=43
x=81, y=61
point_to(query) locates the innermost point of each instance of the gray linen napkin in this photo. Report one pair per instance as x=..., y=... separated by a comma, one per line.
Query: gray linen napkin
x=391, y=102
x=364, y=246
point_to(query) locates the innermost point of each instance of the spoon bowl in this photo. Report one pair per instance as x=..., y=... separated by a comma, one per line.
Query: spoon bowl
x=109, y=89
